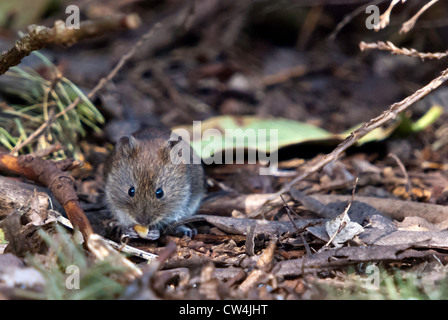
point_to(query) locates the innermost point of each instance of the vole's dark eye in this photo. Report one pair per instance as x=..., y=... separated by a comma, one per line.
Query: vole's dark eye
x=159, y=193
x=131, y=192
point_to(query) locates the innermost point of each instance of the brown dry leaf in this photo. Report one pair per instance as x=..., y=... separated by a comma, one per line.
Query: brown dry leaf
x=417, y=193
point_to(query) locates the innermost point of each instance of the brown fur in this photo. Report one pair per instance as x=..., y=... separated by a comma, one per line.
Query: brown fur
x=143, y=161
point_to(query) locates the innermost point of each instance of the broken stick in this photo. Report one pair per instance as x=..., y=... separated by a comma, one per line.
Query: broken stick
x=39, y=37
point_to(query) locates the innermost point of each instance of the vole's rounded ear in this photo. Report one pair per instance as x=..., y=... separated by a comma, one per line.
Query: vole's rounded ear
x=170, y=144
x=127, y=142
x=176, y=150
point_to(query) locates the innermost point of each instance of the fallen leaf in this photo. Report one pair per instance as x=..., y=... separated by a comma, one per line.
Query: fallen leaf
x=341, y=229
x=289, y=132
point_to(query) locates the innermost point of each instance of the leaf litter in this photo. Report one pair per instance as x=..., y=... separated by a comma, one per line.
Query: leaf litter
x=240, y=252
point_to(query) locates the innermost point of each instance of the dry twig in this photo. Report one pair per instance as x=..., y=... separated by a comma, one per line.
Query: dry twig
x=385, y=17
x=60, y=184
x=39, y=37
x=389, y=46
x=387, y=115
x=408, y=187
x=408, y=25
x=348, y=18
x=298, y=230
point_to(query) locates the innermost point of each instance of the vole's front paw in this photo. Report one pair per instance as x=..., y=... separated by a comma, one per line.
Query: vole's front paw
x=114, y=231
x=185, y=231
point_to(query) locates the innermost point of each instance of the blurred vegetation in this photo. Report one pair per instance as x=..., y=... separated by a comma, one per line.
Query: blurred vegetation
x=2, y=237
x=39, y=94
x=97, y=279
x=19, y=14
x=394, y=284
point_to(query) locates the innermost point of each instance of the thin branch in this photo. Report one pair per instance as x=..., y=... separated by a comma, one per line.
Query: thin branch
x=298, y=230
x=385, y=17
x=61, y=184
x=408, y=25
x=389, y=46
x=408, y=187
x=348, y=18
x=39, y=37
x=387, y=115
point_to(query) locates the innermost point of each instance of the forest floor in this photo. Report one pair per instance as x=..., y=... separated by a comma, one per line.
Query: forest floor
x=244, y=61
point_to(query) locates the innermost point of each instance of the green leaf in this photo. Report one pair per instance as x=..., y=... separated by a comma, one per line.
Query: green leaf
x=220, y=133
x=427, y=119
x=377, y=134
x=2, y=237
x=24, y=12
x=249, y=132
